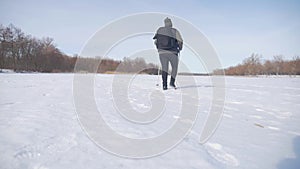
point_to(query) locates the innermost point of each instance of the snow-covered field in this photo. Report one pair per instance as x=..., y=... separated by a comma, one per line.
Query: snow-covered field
x=39, y=126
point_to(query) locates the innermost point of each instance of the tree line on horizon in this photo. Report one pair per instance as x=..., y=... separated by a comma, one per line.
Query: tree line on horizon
x=25, y=53
x=21, y=52
x=255, y=65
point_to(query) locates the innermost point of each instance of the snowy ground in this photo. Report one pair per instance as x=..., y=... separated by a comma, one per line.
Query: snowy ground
x=39, y=126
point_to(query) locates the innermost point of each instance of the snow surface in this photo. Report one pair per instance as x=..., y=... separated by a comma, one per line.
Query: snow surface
x=39, y=128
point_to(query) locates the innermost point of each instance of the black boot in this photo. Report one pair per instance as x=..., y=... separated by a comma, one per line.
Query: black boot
x=165, y=78
x=172, y=82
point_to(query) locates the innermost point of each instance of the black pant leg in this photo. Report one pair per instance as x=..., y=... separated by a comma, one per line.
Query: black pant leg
x=164, y=60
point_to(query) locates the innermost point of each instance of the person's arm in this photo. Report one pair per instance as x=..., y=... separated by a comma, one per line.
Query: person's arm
x=179, y=40
x=155, y=38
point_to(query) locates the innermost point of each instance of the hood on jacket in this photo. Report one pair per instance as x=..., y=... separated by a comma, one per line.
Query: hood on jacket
x=168, y=22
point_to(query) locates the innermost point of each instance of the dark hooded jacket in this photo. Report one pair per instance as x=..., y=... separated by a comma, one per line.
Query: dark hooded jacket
x=168, y=30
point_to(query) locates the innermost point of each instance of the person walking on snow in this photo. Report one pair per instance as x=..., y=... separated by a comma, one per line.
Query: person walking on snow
x=169, y=43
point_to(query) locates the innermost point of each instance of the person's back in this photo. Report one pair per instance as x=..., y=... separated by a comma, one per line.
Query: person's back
x=169, y=43
x=168, y=38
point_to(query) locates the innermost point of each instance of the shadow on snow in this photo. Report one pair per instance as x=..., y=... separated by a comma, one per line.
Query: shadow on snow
x=292, y=163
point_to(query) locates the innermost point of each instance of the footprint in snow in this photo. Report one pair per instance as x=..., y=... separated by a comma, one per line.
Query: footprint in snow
x=273, y=128
x=216, y=151
x=256, y=116
x=34, y=156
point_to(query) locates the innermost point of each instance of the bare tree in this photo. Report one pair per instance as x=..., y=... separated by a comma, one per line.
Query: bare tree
x=278, y=63
x=253, y=64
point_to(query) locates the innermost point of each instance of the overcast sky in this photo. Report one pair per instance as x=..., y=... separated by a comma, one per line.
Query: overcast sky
x=235, y=28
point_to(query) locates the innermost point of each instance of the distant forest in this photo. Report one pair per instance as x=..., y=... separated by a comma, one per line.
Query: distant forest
x=25, y=53
x=255, y=65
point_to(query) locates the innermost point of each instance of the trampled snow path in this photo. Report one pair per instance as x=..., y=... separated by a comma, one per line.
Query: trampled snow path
x=39, y=126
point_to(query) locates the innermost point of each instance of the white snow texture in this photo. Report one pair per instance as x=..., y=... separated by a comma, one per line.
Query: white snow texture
x=39, y=128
